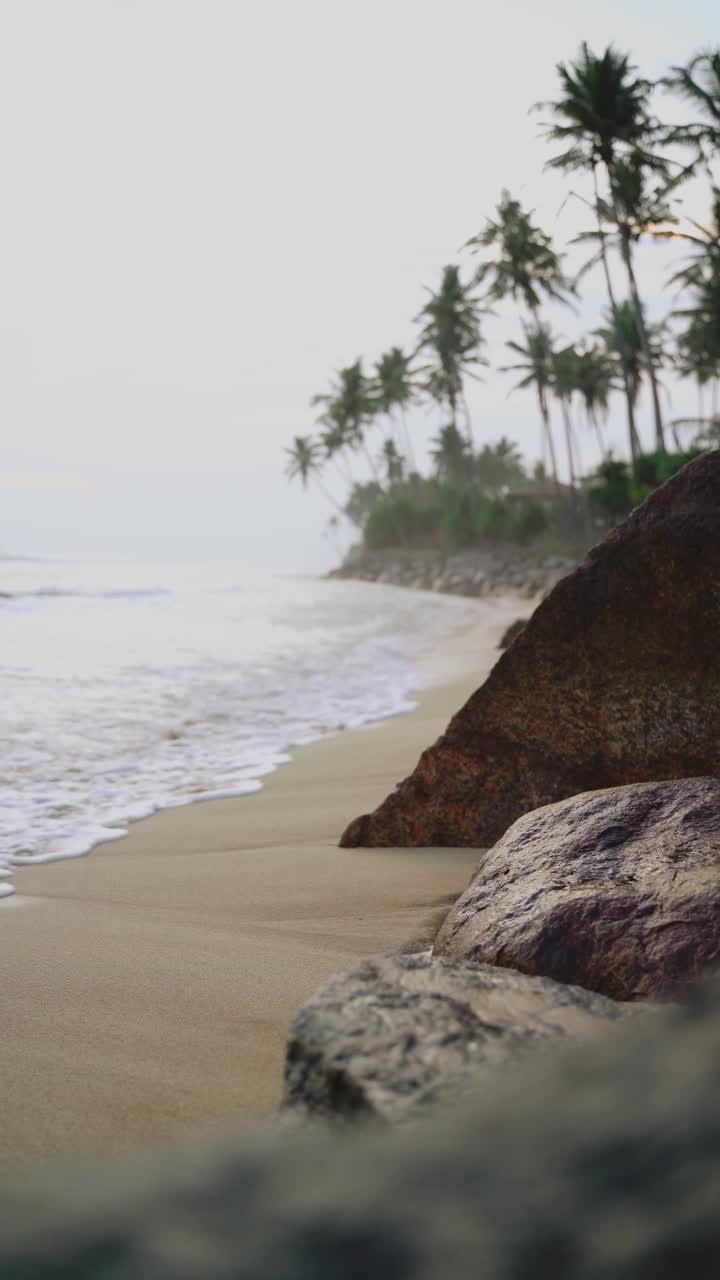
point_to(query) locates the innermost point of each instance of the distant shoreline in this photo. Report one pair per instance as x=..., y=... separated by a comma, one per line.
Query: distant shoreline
x=474, y=572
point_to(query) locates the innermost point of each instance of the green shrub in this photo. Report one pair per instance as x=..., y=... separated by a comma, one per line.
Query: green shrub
x=452, y=512
x=529, y=521
x=496, y=525
x=617, y=487
x=404, y=517
x=463, y=515
x=612, y=491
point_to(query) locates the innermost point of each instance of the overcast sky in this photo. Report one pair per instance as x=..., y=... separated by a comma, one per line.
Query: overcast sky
x=208, y=205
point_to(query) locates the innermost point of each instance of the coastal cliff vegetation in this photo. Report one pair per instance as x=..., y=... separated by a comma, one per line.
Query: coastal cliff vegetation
x=628, y=168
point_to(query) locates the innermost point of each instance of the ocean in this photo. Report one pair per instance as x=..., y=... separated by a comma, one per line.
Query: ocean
x=127, y=688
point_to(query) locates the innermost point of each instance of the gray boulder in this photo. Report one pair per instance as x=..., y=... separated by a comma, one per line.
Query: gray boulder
x=618, y=890
x=393, y=1035
x=601, y=1163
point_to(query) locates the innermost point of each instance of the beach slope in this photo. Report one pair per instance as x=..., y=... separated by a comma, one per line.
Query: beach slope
x=149, y=987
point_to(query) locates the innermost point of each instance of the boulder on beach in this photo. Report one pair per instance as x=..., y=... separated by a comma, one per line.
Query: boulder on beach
x=617, y=890
x=395, y=1035
x=596, y=1161
x=615, y=679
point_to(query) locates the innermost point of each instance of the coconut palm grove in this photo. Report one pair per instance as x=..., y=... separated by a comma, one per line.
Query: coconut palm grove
x=629, y=169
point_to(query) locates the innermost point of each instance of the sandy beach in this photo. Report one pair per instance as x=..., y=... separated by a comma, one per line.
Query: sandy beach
x=149, y=987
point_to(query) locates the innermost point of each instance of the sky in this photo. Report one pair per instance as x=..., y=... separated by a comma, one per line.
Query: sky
x=210, y=205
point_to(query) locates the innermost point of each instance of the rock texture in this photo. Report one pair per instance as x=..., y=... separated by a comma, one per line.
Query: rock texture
x=602, y=1163
x=616, y=679
x=394, y=1035
x=512, y=632
x=616, y=890
x=474, y=572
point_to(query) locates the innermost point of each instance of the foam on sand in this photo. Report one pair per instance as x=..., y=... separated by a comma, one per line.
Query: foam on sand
x=121, y=699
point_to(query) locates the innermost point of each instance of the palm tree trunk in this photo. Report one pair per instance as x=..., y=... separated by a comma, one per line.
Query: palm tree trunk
x=328, y=496
x=598, y=432
x=408, y=441
x=371, y=464
x=575, y=439
x=468, y=424
x=568, y=439
x=629, y=399
x=644, y=342
x=545, y=414
x=396, y=435
x=343, y=468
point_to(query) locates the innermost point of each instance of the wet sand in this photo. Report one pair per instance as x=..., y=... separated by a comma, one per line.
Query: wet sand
x=149, y=987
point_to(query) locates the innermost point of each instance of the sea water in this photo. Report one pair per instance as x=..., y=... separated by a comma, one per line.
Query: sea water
x=126, y=688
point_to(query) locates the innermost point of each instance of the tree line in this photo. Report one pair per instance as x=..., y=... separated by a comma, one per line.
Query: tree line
x=602, y=126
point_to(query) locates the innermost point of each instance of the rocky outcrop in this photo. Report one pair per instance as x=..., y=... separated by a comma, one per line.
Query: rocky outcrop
x=596, y=1163
x=393, y=1036
x=616, y=679
x=617, y=890
x=475, y=572
x=512, y=632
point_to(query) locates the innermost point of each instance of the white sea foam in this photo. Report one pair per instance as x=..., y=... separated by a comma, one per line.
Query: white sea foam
x=128, y=688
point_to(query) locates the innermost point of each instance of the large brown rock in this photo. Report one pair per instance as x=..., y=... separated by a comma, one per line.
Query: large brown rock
x=618, y=891
x=511, y=633
x=616, y=679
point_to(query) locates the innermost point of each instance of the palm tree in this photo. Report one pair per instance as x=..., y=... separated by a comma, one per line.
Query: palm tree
x=699, y=343
x=594, y=380
x=451, y=334
x=525, y=265
x=332, y=530
x=640, y=209
x=393, y=462
x=603, y=110
x=303, y=459
x=622, y=333
x=603, y=118
x=348, y=409
x=623, y=356
x=565, y=375
x=694, y=359
x=498, y=466
x=394, y=389
x=450, y=451
x=698, y=346
x=699, y=83
x=537, y=366
x=361, y=501
x=334, y=436
x=304, y=462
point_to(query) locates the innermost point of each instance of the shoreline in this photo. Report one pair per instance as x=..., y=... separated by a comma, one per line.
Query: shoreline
x=153, y=988
x=211, y=731
x=474, y=572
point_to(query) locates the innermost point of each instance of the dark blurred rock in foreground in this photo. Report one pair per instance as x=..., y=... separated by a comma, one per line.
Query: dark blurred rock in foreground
x=601, y=1163
x=615, y=679
x=394, y=1036
x=618, y=890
